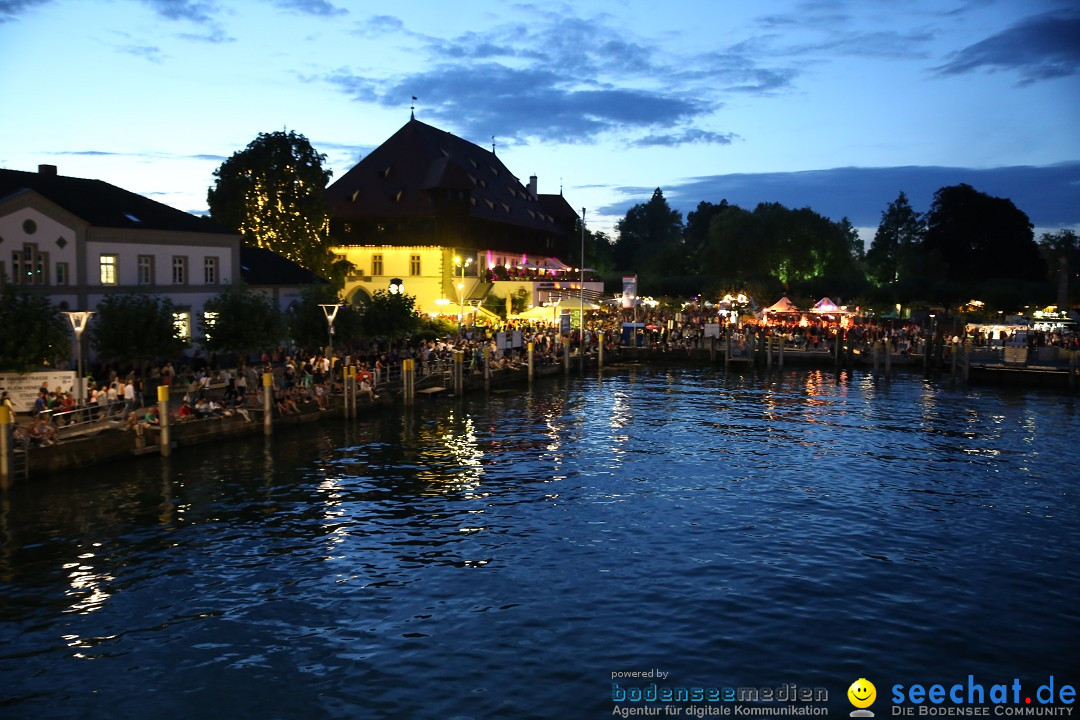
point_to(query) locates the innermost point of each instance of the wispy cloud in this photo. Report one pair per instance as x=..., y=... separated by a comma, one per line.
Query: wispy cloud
x=143, y=155
x=1041, y=47
x=565, y=78
x=312, y=7
x=11, y=9
x=196, y=11
x=148, y=52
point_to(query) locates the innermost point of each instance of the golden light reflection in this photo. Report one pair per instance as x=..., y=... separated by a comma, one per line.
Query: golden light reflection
x=87, y=586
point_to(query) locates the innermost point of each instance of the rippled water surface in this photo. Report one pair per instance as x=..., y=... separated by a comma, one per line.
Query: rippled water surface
x=501, y=557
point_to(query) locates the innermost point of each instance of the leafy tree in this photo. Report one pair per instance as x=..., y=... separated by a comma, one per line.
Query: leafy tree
x=776, y=242
x=1061, y=252
x=855, y=242
x=650, y=239
x=34, y=333
x=134, y=329
x=897, y=240
x=307, y=323
x=273, y=193
x=390, y=315
x=979, y=237
x=696, y=232
x=245, y=321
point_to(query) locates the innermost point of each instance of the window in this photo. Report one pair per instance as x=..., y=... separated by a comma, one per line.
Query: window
x=414, y=265
x=108, y=264
x=210, y=270
x=182, y=323
x=376, y=265
x=146, y=269
x=29, y=267
x=179, y=270
x=62, y=273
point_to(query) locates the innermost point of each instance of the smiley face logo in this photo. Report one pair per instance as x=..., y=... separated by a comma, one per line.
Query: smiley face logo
x=862, y=693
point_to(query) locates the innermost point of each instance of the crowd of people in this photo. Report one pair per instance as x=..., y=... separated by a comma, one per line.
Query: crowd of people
x=305, y=382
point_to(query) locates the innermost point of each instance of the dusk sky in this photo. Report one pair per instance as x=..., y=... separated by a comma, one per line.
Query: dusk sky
x=829, y=104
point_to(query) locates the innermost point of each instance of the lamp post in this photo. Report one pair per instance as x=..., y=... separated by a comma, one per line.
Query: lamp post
x=330, y=311
x=581, y=296
x=397, y=287
x=78, y=321
x=461, y=289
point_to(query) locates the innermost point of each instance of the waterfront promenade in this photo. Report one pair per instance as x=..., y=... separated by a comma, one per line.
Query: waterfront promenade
x=110, y=439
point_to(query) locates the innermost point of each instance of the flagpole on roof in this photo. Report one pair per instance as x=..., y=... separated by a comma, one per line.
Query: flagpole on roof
x=412, y=109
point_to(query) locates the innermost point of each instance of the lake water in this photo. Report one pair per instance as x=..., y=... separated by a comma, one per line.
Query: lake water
x=503, y=557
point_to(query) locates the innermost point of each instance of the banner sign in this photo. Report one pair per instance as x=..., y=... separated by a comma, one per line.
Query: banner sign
x=629, y=291
x=23, y=387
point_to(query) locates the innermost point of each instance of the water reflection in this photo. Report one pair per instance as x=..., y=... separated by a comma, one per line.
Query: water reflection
x=490, y=556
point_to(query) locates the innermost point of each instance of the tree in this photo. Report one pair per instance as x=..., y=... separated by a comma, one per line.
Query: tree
x=696, y=232
x=133, y=330
x=34, y=333
x=1061, y=252
x=897, y=240
x=241, y=320
x=650, y=238
x=307, y=322
x=979, y=237
x=390, y=315
x=273, y=194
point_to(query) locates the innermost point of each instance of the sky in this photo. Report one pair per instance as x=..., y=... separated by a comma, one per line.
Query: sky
x=835, y=105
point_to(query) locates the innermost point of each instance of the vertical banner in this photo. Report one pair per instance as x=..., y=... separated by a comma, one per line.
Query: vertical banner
x=564, y=322
x=629, y=291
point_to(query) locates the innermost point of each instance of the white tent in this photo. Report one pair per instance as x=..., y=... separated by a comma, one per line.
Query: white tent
x=573, y=303
x=782, y=305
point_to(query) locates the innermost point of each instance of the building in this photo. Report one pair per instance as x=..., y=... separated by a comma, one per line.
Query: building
x=76, y=240
x=447, y=220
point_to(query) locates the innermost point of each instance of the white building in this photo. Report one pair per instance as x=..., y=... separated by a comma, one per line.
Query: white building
x=77, y=240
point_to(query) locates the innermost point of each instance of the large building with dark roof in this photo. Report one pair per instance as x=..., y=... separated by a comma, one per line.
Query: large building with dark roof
x=77, y=240
x=448, y=219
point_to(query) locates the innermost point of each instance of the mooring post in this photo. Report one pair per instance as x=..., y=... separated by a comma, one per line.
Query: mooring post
x=529, y=353
x=163, y=419
x=486, y=357
x=877, y=356
x=566, y=353
x=5, y=447
x=600, y=351
x=459, y=377
x=268, y=403
x=408, y=379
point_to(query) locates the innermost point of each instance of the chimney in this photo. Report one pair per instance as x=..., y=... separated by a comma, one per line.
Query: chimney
x=47, y=170
x=532, y=186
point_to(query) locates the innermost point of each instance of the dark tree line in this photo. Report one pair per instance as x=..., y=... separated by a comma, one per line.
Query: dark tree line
x=966, y=245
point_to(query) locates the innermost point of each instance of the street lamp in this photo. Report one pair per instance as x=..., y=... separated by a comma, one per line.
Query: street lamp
x=461, y=288
x=78, y=321
x=397, y=287
x=330, y=311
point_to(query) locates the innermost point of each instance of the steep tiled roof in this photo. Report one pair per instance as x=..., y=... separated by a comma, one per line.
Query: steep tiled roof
x=259, y=266
x=104, y=205
x=421, y=166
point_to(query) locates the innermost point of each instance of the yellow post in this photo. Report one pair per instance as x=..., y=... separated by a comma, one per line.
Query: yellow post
x=600, y=350
x=408, y=378
x=268, y=404
x=530, y=360
x=5, y=447
x=163, y=419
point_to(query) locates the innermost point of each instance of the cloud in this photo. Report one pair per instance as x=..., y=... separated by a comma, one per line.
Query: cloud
x=312, y=7
x=1040, y=47
x=196, y=11
x=144, y=155
x=149, y=52
x=527, y=103
x=1050, y=195
x=10, y=10
x=685, y=137
x=562, y=78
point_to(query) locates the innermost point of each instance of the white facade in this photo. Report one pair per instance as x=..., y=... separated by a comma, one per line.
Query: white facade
x=47, y=249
